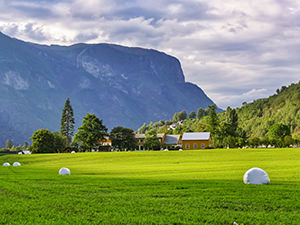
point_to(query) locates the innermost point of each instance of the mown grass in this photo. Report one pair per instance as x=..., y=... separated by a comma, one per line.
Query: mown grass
x=190, y=187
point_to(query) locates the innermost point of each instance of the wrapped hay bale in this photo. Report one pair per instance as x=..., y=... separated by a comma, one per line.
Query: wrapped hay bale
x=256, y=176
x=6, y=164
x=17, y=164
x=64, y=171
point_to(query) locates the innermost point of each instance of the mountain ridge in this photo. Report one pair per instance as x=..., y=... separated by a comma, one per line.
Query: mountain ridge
x=122, y=85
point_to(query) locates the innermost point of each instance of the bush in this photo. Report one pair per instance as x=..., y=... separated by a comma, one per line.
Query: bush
x=43, y=141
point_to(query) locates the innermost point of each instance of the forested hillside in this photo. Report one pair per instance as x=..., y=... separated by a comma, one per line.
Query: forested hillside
x=274, y=120
x=283, y=107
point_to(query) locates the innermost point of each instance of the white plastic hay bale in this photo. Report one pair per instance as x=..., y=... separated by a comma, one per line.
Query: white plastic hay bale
x=20, y=153
x=73, y=152
x=180, y=150
x=64, y=171
x=17, y=164
x=27, y=152
x=93, y=150
x=256, y=176
x=6, y=164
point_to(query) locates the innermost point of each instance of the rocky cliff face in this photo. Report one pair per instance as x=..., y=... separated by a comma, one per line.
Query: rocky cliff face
x=123, y=86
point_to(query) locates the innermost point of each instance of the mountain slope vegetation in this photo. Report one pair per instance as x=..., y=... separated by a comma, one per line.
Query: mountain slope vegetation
x=283, y=107
x=254, y=119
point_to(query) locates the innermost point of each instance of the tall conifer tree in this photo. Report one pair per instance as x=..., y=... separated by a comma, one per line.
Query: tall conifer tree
x=67, y=122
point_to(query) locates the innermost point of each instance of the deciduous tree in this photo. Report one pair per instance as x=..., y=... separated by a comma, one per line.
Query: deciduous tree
x=278, y=131
x=201, y=113
x=180, y=116
x=192, y=115
x=42, y=141
x=122, y=138
x=90, y=134
x=59, y=142
x=151, y=140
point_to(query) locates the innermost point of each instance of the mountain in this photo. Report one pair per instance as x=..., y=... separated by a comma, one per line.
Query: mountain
x=283, y=107
x=121, y=85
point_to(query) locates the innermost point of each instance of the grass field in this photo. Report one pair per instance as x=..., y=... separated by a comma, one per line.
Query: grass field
x=189, y=187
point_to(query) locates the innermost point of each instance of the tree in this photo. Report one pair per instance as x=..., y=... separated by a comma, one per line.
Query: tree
x=176, y=117
x=16, y=148
x=42, y=141
x=288, y=141
x=151, y=140
x=163, y=129
x=192, y=115
x=90, y=134
x=59, y=142
x=8, y=144
x=123, y=138
x=265, y=141
x=26, y=145
x=254, y=142
x=142, y=129
x=232, y=121
x=278, y=131
x=201, y=127
x=201, y=113
x=180, y=116
x=161, y=123
x=230, y=141
x=67, y=122
x=213, y=120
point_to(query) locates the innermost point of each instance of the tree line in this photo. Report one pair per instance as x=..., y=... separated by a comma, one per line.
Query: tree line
x=90, y=136
x=225, y=129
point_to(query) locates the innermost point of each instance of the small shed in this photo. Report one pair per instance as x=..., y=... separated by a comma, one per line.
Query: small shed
x=173, y=141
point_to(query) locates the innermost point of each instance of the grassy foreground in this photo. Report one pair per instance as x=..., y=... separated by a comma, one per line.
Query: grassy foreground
x=189, y=187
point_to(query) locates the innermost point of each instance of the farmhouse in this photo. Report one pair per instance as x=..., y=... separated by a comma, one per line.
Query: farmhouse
x=196, y=140
x=140, y=141
x=188, y=141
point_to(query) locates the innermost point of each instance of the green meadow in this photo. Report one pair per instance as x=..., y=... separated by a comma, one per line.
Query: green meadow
x=189, y=187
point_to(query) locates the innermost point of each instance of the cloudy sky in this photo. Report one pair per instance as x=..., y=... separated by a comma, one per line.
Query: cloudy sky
x=235, y=50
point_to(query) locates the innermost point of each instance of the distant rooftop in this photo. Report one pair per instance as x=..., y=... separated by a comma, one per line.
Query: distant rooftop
x=139, y=136
x=171, y=139
x=160, y=135
x=142, y=136
x=202, y=136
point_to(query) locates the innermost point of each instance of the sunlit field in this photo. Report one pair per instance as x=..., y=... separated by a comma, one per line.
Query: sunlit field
x=189, y=187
